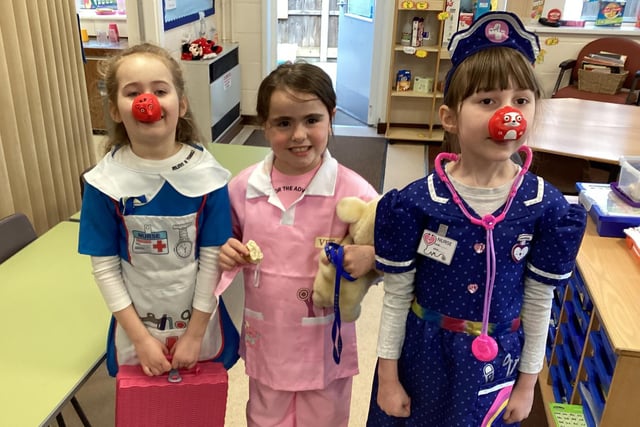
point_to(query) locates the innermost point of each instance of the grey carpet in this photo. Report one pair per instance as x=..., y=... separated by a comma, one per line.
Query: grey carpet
x=365, y=155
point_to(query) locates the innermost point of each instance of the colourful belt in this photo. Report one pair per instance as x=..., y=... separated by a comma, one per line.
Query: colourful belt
x=460, y=325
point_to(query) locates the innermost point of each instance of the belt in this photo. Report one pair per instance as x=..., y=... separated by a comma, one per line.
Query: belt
x=461, y=325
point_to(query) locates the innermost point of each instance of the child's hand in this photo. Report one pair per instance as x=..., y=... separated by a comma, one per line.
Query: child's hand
x=393, y=399
x=358, y=260
x=232, y=254
x=153, y=356
x=186, y=352
x=520, y=402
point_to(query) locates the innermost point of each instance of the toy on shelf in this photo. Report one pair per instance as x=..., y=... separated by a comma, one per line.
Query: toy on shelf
x=628, y=185
x=198, y=49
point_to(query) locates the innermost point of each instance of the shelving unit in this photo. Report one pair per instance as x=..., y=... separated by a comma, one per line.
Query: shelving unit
x=593, y=354
x=413, y=115
x=214, y=89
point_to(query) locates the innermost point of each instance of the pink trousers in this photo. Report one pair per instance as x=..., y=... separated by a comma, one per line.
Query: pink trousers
x=311, y=408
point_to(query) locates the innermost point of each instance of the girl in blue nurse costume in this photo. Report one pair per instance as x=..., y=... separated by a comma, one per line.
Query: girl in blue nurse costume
x=154, y=214
x=472, y=252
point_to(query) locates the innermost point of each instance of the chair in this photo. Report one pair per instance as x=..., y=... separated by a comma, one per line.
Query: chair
x=16, y=232
x=627, y=95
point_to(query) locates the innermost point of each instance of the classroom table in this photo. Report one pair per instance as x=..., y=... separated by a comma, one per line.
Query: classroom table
x=590, y=130
x=236, y=157
x=54, y=327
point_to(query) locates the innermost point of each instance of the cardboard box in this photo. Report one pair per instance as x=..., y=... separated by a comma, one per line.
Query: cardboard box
x=464, y=20
x=610, y=213
x=451, y=24
x=610, y=13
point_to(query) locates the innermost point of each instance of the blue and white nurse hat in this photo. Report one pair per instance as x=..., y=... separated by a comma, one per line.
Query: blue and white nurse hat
x=493, y=29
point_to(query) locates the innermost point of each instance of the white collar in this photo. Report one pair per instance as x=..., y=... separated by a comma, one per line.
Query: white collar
x=197, y=175
x=322, y=184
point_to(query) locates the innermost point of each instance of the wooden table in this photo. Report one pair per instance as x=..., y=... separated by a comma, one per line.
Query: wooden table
x=591, y=130
x=54, y=327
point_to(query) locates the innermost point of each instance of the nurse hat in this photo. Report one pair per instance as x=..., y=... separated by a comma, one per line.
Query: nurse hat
x=493, y=29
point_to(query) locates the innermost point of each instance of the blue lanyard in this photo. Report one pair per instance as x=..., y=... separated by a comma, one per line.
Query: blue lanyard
x=335, y=254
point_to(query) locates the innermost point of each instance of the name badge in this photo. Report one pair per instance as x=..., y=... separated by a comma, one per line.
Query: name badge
x=321, y=242
x=437, y=247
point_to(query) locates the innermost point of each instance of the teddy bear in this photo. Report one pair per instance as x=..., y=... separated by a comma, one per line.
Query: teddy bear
x=360, y=216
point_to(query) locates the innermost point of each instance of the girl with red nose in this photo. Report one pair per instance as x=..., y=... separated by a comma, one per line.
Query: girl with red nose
x=154, y=214
x=471, y=253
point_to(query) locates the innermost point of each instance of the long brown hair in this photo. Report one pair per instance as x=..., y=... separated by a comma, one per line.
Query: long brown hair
x=186, y=129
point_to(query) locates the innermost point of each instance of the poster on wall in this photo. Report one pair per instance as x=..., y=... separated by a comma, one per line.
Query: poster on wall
x=180, y=12
x=361, y=8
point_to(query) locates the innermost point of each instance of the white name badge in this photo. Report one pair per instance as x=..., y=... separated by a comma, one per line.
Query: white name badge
x=436, y=247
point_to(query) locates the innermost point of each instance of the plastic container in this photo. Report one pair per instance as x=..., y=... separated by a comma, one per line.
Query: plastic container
x=629, y=179
x=610, y=213
x=405, y=38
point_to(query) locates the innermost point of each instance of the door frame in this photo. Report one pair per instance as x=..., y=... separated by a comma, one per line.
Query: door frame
x=381, y=59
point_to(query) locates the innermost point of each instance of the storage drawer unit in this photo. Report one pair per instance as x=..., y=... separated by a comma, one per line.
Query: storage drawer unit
x=594, y=354
x=213, y=87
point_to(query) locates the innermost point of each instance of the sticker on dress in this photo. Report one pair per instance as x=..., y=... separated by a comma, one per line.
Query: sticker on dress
x=510, y=363
x=479, y=247
x=520, y=250
x=304, y=295
x=184, y=246
x=436, y=247
x=150, y=242
x=488, y=372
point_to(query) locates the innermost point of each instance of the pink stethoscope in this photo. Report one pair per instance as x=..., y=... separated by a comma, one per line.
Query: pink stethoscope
x=485, y=347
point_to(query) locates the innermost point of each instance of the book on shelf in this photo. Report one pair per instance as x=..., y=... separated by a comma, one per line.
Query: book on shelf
x=604, y=62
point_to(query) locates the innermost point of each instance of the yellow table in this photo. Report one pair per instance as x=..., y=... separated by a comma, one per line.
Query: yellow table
x=237, y=157
x=54, y=327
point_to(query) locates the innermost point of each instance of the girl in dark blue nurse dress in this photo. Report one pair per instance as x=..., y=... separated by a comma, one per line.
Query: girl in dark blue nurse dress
x=472, y=252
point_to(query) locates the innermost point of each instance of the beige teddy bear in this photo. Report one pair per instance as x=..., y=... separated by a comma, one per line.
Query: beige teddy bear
x=360, y=216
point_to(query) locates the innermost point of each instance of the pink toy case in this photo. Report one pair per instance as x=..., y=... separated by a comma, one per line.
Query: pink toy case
x=197, y=398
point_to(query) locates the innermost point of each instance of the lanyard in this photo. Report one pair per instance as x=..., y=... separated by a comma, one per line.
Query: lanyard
x=335, y=254
x=484, y=347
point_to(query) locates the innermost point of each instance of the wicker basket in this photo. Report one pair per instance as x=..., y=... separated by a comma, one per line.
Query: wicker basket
x=593, y=81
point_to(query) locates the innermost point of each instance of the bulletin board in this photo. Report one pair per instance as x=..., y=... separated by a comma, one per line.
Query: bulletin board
x=180, y=12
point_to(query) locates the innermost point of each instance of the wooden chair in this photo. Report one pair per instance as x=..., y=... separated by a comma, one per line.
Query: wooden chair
x=16, y=232
x=630, y=87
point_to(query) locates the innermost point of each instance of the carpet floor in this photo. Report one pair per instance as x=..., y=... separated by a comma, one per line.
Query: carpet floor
x=365, y=155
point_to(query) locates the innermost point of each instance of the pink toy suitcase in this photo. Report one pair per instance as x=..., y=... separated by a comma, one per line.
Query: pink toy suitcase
x=197, y=397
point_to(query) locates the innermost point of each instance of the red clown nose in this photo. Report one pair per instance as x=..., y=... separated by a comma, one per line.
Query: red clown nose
x=146, y=108
x=507, y=124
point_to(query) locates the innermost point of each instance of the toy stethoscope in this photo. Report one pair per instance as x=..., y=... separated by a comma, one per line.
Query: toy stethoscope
x=335, y=254
x=485, y=347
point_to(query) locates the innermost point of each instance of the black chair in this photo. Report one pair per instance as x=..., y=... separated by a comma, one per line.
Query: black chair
x=16, y=232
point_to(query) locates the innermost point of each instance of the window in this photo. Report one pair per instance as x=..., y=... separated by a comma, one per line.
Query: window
x=590, y=10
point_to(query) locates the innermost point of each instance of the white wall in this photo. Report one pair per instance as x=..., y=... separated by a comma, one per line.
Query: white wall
x=243, y=21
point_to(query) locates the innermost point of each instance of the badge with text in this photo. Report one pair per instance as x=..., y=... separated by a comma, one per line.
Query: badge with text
x=521, y=249
x=437, y=247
